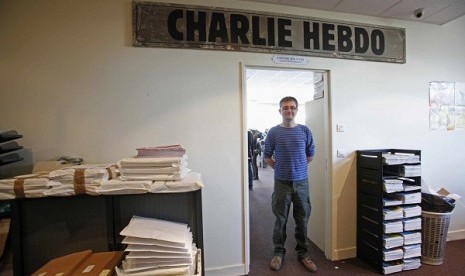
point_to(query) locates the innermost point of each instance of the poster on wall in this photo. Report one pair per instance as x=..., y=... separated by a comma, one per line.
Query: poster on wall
x=460, y=105
x=447, y=105
x=318, y=84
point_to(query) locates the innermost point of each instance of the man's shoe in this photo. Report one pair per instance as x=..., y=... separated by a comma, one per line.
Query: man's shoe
x=276, y=262
x=309, y=264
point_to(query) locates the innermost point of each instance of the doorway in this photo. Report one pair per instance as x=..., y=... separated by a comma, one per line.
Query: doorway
x=263, y=88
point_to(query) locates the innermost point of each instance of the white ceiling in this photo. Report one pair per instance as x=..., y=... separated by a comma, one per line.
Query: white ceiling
x=268, y=85
x=434, y=11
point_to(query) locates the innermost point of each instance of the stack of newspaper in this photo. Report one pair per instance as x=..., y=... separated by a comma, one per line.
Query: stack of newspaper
x=410, y=170
x=392, y=240
x=158, y=247
x=411, y=251
x=394, y=226
x=413, y=237
x=392, y=267
x=393, y=254
x=411, y=263
x=161, y=151
x=392, y=185
x=412, y=211
x=393, y=213
x=155, y=163
x=412, y=224
x=408, y=198
x=161, y=169
x=80, y=179
x=400, y=158
x=32, y=185
x=154, y=168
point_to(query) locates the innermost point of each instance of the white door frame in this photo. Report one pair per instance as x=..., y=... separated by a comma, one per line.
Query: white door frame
x=245, y=194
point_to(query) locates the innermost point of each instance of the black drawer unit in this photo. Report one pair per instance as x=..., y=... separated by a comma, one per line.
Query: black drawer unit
x=375, y=198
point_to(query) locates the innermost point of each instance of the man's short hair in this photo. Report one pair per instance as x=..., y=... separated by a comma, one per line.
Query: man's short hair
x=288, y=99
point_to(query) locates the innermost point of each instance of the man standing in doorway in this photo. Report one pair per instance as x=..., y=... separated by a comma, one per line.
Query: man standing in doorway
x=289, y=147
x=250, y=154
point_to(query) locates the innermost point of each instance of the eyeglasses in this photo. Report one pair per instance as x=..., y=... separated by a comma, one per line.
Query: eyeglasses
x=293, y=108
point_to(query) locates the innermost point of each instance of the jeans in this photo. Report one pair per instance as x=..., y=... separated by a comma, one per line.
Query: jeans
x=250, y=176
x=285, y=193
x=255, y=166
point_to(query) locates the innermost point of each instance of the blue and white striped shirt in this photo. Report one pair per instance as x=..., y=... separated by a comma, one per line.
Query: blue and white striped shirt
x=289, y=146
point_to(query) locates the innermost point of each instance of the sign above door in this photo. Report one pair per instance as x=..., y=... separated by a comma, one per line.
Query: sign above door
x=186, y=26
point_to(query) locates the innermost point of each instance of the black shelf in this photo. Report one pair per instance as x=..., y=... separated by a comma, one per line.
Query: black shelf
x=5, y=148
x=9, y=147
x=8, y=155
x=50, y=227
x=9, y=135
x=371, y=173
x=10, y=158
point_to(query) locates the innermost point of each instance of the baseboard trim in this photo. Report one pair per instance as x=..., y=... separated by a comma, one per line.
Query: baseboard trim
x=345, y=253
x=456, y=235
x=232, y=270
x=339, y=254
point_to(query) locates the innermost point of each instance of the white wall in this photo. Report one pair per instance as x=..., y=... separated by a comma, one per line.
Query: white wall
x=71, y=83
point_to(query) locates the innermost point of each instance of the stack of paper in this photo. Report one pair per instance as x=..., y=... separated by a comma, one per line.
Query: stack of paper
x=411, y=187
x=158, y=247
x=393, y=254
x=412, y=263
x=193, y=181
x=393, y=226
x=408, y=198
x=411, y=170
x=82, y=179
x=393, y=185
x=393, y=213
x=164, y=166
x=411, y=251
x=392, y=267
x=412, y=224
x=411, y=237
x=412, y=211
x=393, y=240
x=161, y=151
x=31, y=185
x=400, y=158
x=153, y=168
x=118, y=186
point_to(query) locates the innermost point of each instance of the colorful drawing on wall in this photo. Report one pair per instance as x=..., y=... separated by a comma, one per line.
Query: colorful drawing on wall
x=446, y=105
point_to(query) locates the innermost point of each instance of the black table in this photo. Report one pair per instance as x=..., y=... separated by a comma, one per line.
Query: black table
x=50, y=227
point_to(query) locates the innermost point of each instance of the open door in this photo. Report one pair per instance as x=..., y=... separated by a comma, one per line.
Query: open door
x=316, y=118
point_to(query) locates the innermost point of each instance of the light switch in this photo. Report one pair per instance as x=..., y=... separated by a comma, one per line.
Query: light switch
x=340, y=128
x=341, y=153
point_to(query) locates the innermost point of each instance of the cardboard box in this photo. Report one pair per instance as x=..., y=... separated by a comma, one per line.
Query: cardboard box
x=4, y=230
x=198, y=267
x=83, y=263
x=48, y=166
x=100, y=264
x=63, y=266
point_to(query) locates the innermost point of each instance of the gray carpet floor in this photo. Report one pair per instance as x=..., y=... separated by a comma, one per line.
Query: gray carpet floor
x=261, y=249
